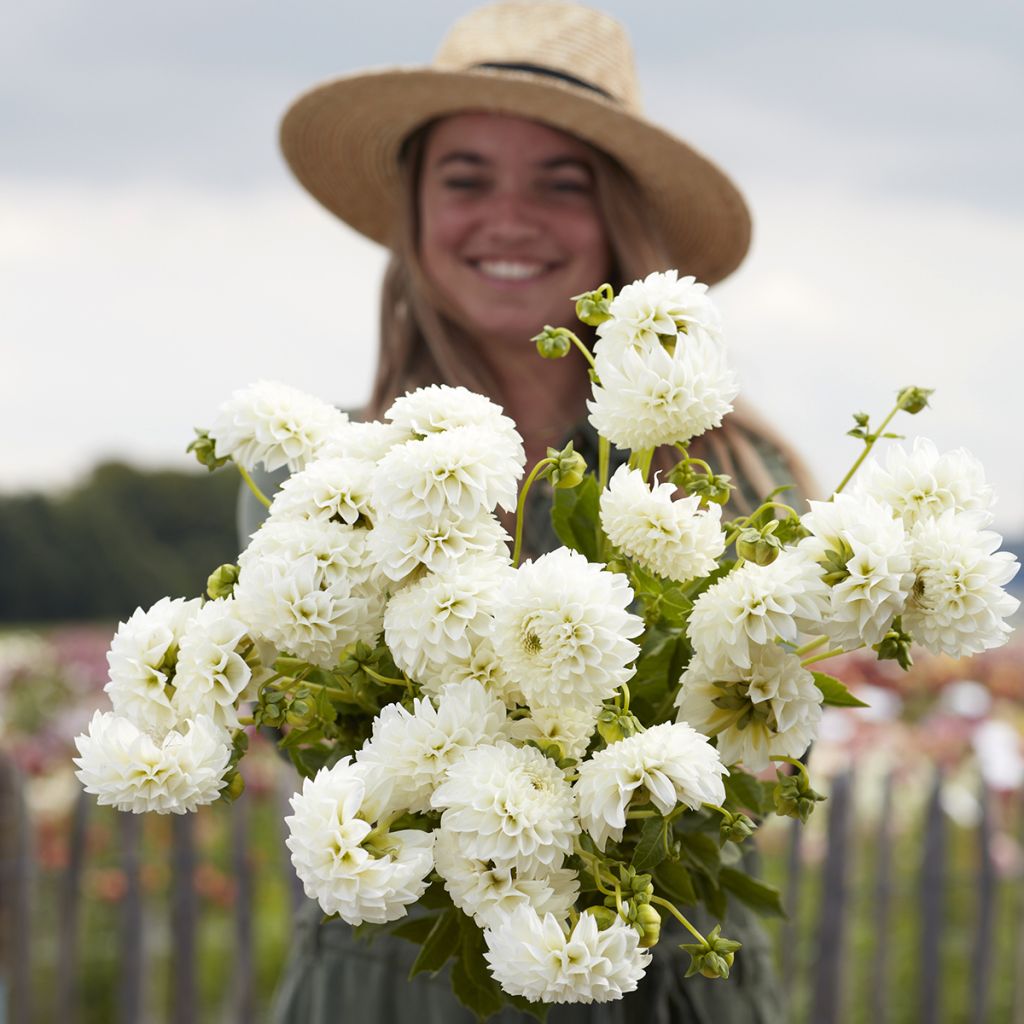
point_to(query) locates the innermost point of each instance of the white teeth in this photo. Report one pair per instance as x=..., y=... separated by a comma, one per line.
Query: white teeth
x=507, y=270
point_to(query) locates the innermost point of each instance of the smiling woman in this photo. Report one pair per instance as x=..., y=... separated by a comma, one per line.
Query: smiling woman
x=515, y=172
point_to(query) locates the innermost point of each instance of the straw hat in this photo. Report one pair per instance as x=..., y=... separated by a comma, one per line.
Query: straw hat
x=558, y=63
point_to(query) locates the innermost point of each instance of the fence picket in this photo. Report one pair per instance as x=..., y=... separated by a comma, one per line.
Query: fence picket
x=981, y=956
x=68, y=913
x=131, y=956
x=932, y=903
x=243, y=1010
x=879, y=971
x=15, y=897
x=791, y=927
x=184, y=920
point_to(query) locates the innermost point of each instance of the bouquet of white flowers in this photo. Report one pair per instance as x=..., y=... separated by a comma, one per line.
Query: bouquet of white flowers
x=556, y=756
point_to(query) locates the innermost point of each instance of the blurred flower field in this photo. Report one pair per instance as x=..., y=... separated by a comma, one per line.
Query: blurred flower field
x=966, y=717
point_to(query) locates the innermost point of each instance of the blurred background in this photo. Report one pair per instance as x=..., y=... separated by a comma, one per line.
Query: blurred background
x=155, y=255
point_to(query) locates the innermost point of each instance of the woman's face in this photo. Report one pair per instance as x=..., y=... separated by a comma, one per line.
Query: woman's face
x=509, y=223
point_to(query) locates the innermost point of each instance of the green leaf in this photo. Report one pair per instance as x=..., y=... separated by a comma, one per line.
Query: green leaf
x=415, y=929
x=835, y=692
x=651, y=849
x=747, y=792
x=703, y=853
x=441, y=944
x=674, y=879
x=709, y=893
x=472, y=983
x=574, y=516
x=757, y=895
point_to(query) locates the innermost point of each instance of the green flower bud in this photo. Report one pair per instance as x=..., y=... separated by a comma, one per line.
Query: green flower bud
x=234, y=789
x=614, y=726
x=553, y=342
x=592, y=308
x=221, y=582
x=895, y=646
x=793, y=796
x=737, y=829
x=301, y=712
x=203, y=447
x=648, y=924
x=570, y=468
x=713, y=957
x=761, y=547
x=913, y=400
x=605, y=917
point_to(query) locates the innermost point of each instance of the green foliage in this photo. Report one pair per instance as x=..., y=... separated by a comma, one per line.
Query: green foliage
x=574, y=515
x=835, y=692
x=122, y=539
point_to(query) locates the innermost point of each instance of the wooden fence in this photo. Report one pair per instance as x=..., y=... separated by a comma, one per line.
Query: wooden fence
x=829, y=898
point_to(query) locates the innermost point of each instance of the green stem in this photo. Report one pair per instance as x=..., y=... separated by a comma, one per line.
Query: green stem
x=826, y=655
x=679, y=917
x=625, y=698
x=604, y=450
x=808, y=647
x=641, y=460
x=869, y=443
x=521, y=504
x=690, y=460
x=587, y=354
x=387, y=680
x=799, y=765
x=251, y=484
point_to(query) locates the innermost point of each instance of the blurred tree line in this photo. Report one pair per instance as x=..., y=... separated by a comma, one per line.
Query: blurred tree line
x=123, y=538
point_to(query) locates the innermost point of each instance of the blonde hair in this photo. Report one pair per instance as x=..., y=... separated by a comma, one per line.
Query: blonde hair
x=422, y=342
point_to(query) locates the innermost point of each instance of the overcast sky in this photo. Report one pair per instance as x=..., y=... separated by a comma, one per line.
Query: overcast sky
x=155, y=254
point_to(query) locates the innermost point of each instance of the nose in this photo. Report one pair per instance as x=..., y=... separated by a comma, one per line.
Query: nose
x=512, y=218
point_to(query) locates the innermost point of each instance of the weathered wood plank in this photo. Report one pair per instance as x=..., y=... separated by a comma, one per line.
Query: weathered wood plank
x=790, y=933
x=130, y=979
x=243, y=996
x=830, y=943
x=70, y=902
x=883, y=890
x=184, y=921
x=982, y=953
x=932, y=904
x=16, y=884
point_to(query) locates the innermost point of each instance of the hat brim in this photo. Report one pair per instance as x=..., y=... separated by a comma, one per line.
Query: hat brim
x=342, y=141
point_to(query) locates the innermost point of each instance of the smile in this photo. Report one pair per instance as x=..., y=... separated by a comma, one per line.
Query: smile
x=510, y=270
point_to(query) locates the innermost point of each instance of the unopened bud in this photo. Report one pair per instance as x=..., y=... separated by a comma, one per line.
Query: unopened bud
x=300, y=712
x=605, y=916
x=614, y=726
x=793, y=796
x=234, y=789
x=913, y=400
x=570, y=468
x=593, y=308
x=737, y=829
x=553, y=342
x=895, y=646
x=648, y=924
x=204, y=449
x=761, y=547
x=221, y=582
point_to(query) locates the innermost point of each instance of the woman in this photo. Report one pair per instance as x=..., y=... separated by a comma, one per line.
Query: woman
x=513, y=173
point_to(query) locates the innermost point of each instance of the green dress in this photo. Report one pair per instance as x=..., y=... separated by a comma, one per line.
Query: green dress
x=331, y=977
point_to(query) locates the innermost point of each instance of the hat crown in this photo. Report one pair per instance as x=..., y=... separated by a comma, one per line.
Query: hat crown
x=575, y=43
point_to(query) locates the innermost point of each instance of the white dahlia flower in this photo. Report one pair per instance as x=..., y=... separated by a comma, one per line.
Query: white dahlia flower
x=142, y=659
x=484, y=667
x=127, y=768
x=398, y=546
x=330, y=489
x=368, y=442
x=442, y=618
x=755, y=605
x=659, y=306
x=343, y=862
x=440, y=407
x=770, y=709
x=922, y=484
x=415, y=749
x=674, y=539
x=510, y=805
x=670, y=763
x=568, y=727
x=856, y=540
x=563, y=632
x=957, y=605
x=538, y=959
x=659, y=397
x=211, y=674
x=307, y=587
x=275, y=425
x=488, y=893
x=466, y=470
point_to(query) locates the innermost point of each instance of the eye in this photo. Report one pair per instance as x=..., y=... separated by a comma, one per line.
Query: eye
x=575, y=185
x=464, y=183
